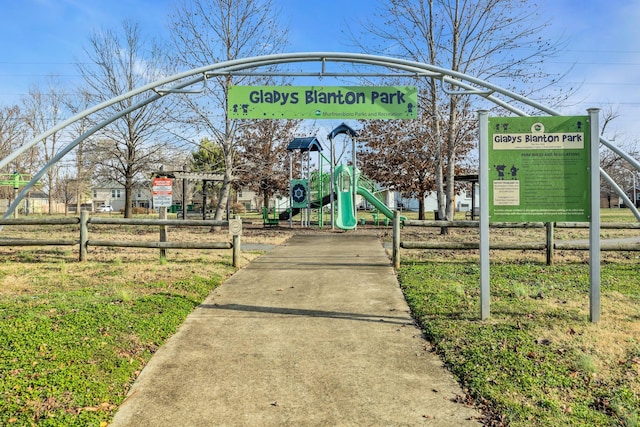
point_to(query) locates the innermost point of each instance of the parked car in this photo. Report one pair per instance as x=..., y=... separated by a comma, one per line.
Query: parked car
x=105, y=208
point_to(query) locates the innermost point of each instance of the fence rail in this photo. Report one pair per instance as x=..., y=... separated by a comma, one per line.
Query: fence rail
x=84, y=242
x=549, y=245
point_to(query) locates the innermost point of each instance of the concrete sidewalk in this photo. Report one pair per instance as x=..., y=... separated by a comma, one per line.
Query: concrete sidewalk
x=314, y=333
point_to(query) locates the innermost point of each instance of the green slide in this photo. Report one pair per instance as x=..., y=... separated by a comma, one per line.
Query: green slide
x=346, y=218
x=376, y=202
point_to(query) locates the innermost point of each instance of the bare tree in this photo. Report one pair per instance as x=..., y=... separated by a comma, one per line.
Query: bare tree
x=263, y=157
x=80, y=184
x=211, y=31
x=614, y=165
x=67, y=189
x=45, y=109
x=133, y=145
x=13, y=133
x=12, y=130
x=403, y=155
x=498, y=40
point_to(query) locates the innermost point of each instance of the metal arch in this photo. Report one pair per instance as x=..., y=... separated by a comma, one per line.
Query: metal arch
x=468, y=86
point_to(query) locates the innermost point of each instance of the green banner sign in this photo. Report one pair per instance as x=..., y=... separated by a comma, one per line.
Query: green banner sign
x=539, y=169
x=323, y=102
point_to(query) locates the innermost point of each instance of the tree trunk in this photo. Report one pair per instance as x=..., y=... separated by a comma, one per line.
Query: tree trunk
x=226, y=183
x=51, y=200
x=451, y=160
x=433, y=53
x=450, y=169
x=128, y=186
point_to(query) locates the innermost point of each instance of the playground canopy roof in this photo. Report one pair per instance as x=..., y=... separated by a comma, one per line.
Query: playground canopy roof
x=309, y=143
x=343, y=128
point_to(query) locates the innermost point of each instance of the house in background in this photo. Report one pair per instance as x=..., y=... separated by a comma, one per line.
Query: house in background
x=36, y=202
x=249, y=199
x=463, y=202
x=633, y=193
x=108, y=193
x=142, y=196
x=113, y=193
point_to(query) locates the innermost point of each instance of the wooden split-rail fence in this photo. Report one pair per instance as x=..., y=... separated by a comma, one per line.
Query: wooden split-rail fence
x=84, y=241
x=550, y=245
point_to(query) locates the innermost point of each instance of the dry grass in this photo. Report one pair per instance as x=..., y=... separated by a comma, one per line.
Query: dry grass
x=25, y=270
x=608, y=342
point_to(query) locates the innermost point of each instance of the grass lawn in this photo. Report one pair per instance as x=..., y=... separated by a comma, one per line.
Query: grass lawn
x=74, y=336
x=538, y=361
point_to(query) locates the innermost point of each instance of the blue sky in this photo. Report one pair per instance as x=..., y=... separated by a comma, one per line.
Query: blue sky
x=40, y=38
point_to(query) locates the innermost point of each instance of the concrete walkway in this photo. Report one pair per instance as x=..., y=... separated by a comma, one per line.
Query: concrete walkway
x=314, y=333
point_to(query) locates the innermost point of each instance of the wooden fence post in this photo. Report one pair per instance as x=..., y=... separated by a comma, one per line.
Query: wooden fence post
x=163, y=233
x=235, y=229
x=396, y=240
x=84, y=234
x=550, y=243
x=236, y=251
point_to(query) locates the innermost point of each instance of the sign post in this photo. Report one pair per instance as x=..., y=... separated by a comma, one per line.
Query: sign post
x=162, y=197
x=594, y=225
x=540, y=169
x=483, y=178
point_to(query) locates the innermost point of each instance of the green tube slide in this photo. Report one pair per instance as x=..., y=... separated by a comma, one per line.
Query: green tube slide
x=346, y=218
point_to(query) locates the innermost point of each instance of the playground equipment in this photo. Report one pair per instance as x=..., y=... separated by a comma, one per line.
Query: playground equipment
x=342, y=189
x=268, y=221
x=299, y=189
x=377, y=203
x=345, y=182
x=347, y=217
x=15, y=180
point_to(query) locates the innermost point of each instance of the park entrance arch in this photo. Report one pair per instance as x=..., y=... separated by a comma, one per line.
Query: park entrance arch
x=195, y=80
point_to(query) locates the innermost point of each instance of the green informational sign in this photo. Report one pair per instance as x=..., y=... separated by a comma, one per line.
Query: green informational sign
x=539, y=169
x=323, y=102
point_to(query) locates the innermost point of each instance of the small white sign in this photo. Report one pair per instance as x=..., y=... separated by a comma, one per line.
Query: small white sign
x=162, y=201
x=235, y=227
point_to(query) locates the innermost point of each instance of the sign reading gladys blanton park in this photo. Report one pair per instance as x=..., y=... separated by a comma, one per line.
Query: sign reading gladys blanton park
x=323, y=102
x=539, y=169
